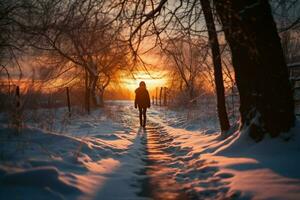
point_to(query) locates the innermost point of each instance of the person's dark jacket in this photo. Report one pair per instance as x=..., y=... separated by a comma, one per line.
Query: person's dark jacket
x=142, y=98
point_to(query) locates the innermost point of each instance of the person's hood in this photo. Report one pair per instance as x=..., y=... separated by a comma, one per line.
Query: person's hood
x=140, y=88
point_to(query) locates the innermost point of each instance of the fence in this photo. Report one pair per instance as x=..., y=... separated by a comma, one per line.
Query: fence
x=30, y=98
x=161, y=96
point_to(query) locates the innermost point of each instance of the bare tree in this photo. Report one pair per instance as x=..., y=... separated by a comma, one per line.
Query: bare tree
x=266, y=102
x=185, y=58
x=287, y=16
x=216, y=56
x=78, y=34
x=11, y=38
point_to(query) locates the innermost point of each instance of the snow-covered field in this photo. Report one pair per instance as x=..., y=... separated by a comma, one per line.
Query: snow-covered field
x=108, y=156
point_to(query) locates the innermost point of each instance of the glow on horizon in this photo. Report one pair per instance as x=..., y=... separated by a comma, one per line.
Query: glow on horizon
x=152, y=79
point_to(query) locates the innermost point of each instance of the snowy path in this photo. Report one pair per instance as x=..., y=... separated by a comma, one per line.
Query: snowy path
x=158, y=167
x=107, y=156
x=159, y=182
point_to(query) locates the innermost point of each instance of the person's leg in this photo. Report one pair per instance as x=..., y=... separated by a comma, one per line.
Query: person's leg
x=144, y=115
x=140, y=115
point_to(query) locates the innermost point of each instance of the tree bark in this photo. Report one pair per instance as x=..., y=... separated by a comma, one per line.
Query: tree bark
x=216, y=56
x=266, y=102
x=191, y=93
x=101, y=98
x=94, y=81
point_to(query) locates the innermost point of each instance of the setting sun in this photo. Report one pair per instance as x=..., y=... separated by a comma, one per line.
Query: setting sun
x=152, y=79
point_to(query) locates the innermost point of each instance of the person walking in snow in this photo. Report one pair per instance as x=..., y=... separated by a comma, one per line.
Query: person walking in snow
x=142, y=101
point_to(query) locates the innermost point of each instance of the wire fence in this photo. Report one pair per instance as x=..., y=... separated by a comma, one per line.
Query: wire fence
x=201, y=107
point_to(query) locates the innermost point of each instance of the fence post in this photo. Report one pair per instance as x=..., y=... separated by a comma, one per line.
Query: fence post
x=68, y=101
x=156, y=93
x=18, y=103
x=160, y=95
x=165, y=96
x=18, y=117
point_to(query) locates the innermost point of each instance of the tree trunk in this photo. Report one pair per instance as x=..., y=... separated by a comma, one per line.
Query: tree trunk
x=93, y=92
x=94, y=80
x=216, y=56
x=266, y=102
x=101, y=98
x=87, y=93
x=191, y=93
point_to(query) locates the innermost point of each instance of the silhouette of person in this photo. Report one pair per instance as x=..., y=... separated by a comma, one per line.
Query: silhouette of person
x=142, y=101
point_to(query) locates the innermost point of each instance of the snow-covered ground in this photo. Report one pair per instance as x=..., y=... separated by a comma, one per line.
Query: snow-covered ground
x=108, y=156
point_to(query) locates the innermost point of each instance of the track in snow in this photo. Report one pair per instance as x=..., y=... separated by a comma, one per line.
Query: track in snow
x=159, y=182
